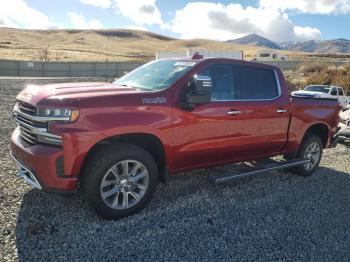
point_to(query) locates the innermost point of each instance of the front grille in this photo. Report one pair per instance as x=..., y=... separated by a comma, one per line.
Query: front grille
x=26, y=121
x=32, y=127
x=26, y=124
x=27, y=109
x=27, y=135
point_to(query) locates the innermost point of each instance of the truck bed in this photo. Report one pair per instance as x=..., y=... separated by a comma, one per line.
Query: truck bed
x=307, y=111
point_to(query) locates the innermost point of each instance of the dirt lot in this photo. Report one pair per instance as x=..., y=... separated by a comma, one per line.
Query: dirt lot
x=276, y=217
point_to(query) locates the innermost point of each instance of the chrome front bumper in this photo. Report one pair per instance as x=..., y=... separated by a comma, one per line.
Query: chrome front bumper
x=26, y=174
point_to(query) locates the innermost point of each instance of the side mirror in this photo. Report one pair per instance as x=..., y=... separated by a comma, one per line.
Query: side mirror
x=201, y=93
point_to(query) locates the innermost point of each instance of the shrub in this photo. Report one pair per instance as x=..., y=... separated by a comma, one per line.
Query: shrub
x=312, y=67
x=319, y=79
x=321, y=74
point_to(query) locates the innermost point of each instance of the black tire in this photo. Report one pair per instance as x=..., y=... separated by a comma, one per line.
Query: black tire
x=97, y=168
x=308, y=140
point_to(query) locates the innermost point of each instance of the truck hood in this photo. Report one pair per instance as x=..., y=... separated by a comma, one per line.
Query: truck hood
x=33, y=94
x=307, y=93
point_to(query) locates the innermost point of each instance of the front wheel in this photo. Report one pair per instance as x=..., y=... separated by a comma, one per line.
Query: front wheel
x=120, y=180
x=310, y=149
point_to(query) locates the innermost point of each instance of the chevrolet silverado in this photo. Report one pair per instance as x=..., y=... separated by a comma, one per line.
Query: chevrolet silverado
x=115, y=141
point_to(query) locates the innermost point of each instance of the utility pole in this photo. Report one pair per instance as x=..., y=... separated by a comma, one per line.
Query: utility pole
x=107, y=57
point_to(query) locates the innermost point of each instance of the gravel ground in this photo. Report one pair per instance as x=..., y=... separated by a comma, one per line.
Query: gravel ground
x=276, y=217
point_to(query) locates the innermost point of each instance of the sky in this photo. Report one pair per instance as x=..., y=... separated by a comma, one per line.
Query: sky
x=278, y=20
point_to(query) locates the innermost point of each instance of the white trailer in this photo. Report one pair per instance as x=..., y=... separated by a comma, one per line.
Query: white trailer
x=270, y=55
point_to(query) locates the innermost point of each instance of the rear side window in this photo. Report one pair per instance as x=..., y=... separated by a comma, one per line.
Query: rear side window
x=340, y=92
x=334, y=92
x=256, y=83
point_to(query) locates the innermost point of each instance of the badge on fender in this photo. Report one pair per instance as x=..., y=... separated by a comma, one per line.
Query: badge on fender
x=156, y=100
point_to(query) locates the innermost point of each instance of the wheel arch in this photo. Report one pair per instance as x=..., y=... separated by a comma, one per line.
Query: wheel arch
x=319, y=129
x=149, y=142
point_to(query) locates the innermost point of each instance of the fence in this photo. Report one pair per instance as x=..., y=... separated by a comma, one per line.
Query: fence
x=293, y=64
x=283, y=65
x=66, y=69
x=93, y=69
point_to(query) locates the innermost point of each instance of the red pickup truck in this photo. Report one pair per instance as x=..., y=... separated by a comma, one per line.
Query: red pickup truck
x=115, y=141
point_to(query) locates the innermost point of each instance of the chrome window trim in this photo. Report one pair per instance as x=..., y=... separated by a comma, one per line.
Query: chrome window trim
x=277, y=79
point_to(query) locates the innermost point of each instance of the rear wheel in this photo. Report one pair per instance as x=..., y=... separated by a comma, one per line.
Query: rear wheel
x=310, y=149
x=120, y=180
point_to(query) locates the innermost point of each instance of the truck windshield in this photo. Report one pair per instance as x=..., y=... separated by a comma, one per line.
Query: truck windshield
x=322, y=89
x=156, y=75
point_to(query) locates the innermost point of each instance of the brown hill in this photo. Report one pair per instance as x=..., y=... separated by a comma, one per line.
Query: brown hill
x=97, y=45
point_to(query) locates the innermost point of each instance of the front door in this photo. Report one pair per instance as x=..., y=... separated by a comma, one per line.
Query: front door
x=210, y=133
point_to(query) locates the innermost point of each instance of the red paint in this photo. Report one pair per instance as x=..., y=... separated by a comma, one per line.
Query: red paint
x=204, y=137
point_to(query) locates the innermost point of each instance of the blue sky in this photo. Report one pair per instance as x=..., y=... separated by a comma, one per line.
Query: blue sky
x=286, y=20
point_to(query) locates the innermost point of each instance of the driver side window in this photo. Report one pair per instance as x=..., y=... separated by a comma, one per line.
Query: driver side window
x=222, y=81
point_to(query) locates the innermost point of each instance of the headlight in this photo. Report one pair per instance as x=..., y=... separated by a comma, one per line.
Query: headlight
x=59, y=114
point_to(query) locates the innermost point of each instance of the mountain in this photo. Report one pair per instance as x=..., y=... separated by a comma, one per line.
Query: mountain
x=306, y=46
x=257, y=40
x=337, y=46
x=324, y=47
x=334, y=46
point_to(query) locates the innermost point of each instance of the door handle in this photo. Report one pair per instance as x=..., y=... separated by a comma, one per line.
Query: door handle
x=234, y=112
x=281, y=110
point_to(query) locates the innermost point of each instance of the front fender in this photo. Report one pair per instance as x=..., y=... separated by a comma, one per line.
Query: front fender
x=93, y=127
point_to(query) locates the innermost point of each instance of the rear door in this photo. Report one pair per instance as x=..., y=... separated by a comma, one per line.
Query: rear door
x=265, y=111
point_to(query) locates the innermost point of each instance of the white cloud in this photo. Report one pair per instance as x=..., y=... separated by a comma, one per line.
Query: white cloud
x=223, y=22
x=307, y=33
x=141, y=12
x=98, y=3
x=309, y=6
x=210, y=20
x=17, y=13
x=78, y=21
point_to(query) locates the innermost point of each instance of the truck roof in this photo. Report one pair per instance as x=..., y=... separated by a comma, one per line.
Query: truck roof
x=237, y=61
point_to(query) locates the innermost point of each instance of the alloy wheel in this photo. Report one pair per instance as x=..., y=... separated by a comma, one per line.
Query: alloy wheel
x=312, y=153
x=124, y=184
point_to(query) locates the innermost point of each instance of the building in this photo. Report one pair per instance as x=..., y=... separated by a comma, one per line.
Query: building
x=270, y=55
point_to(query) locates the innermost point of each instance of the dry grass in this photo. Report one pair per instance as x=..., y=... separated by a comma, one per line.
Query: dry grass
x=321, y=74
x=94, y=45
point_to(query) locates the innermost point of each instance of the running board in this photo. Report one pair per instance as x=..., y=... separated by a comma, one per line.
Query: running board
x=219, y=177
